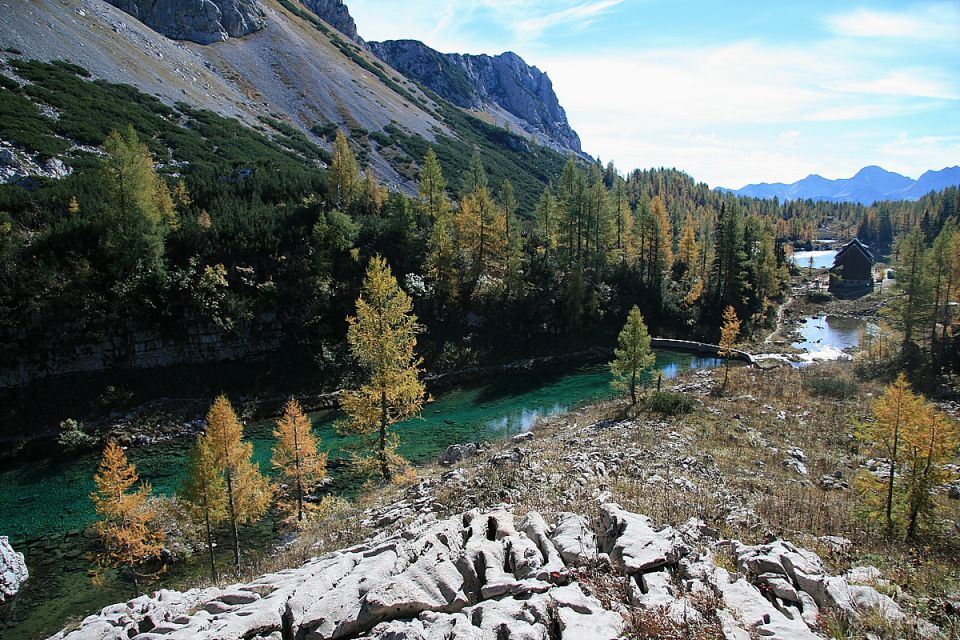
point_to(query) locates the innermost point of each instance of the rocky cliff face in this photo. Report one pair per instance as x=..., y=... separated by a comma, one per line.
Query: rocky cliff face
x=481, y=82
x=201, y=21
x=336, y=14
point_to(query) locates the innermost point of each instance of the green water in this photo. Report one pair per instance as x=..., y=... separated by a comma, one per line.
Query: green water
x=43, y=504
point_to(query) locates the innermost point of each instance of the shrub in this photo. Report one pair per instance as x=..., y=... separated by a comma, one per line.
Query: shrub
x=829, y=386
x=669, y=404
x=73, y=438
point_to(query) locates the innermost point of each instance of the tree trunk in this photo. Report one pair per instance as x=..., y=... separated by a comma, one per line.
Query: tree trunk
x=633, y=386
x=384, y=467
x=890, y=479
x=233, y=520
x=296, y=446
x=213, y=562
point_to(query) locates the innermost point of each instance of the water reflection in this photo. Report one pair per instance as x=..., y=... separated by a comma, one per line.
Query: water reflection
x=821, y=259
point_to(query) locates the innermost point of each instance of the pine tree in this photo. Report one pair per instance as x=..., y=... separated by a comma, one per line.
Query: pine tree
x=297, y=458
x=633, y=355
x=382, y=338
x=914, y=283
x=343, y=177
x=728, y=340
x=206, y=492
x=248, y=492
x=129, y=539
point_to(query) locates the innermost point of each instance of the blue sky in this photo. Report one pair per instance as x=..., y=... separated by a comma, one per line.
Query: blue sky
x=731, y=92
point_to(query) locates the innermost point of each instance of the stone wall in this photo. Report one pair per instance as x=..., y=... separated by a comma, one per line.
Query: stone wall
x=141, y=349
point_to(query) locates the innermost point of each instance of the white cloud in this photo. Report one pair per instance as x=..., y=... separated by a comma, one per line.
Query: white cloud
x=728, y=112
x=733, y=114
x=580, y=15
x=509, y=24
x=918, y=22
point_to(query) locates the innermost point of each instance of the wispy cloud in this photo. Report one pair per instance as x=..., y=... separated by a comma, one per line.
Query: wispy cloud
x=580, y=15
x=917, y=22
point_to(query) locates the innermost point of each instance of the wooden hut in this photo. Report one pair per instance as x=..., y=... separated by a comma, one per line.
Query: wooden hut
x=852, y=272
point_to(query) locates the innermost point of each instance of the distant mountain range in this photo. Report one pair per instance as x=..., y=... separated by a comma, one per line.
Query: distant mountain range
x=869, y=185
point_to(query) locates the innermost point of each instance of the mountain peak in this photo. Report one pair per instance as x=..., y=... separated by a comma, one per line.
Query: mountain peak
x=868, y=185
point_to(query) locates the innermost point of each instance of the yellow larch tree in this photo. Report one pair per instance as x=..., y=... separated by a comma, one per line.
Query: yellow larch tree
x=297, y=459
x=205, y=490
x=129, y=538
x=343, y=177
x=248, y=492
x=382, y=338
x=728, y=340
x=892, y=415
x=930, y=441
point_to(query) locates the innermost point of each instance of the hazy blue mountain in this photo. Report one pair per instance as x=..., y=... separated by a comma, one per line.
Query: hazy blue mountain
x=869, y=185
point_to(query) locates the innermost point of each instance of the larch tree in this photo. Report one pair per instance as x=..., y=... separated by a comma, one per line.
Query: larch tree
x=728, y=340
x=297, y=459
x=125, y=528
x=633, y=355
x=140, y=208
x=930, y=440
x=248, y=492
x=343, y=178
x=382, y=338
x=546, y=221
x=892, y=414
x=205, y=491
x=433, y=187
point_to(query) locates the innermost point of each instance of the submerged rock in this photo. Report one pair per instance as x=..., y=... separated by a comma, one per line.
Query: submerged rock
x=13, y=570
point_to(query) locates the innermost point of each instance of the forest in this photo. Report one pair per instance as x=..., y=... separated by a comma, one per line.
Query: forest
x=174, y=218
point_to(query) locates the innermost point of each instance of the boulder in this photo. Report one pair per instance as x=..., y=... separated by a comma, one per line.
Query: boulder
x=634, y=545
x=458, y=453
x=574, y=539
x=13, y=570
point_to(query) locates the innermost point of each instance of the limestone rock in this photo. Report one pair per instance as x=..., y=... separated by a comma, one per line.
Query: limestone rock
x=634, y=545
x=336, y=14
x=13, y=570
x=574, y=539
x=200, y=21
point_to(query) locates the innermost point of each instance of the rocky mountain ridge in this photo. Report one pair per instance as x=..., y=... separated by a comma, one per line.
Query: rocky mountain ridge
x=867, y=186
x=503, y=86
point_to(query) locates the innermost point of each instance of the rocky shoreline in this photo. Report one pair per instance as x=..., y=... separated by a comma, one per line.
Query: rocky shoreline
x=543, y=537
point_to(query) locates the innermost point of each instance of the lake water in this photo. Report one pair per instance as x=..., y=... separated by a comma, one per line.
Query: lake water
x=826, y=337
x=821, y=259
x=44, y=504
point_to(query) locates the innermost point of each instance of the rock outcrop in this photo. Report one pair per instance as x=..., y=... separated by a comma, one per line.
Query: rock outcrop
x=480, y=82
x=13, y=570
x=336, y=14
x=481, y=576
x=201, y=21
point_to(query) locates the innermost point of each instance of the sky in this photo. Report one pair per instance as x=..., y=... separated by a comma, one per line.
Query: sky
x=730, y=92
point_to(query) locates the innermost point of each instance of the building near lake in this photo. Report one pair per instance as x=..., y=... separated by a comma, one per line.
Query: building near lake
x=851, y=275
